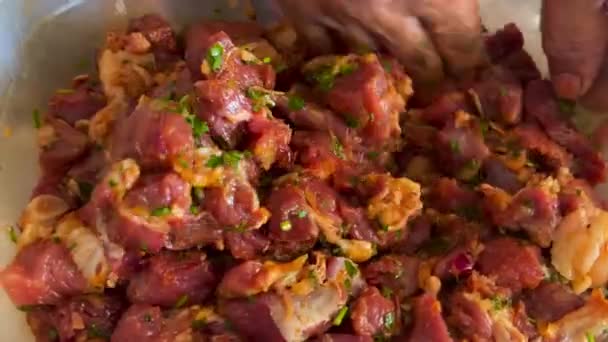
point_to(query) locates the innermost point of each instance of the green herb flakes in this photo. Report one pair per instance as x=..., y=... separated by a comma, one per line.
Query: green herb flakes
x=454, y=146
x=340, y=316
x=181, y=301
x=302, y=213
x=589, y=336
x=295, y=103
x=53, y=335
x=337, y=147
x=351, y=121
x=215, y=56
x=387, y=292
x=112, y=183
x=36, y=118
x=161, y=211
x=85, y=189
x=12, y=234
x=351, y=268
x=267, y=60
x=194, y=210
x=500, y=302
x=94, y=331
x=215, y=161
x=260, y=98
x=389, y=321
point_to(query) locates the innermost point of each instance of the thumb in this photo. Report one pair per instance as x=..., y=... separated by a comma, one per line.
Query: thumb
x=575, y=36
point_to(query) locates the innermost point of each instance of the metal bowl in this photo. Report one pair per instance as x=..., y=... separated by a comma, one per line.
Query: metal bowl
x=46, y=42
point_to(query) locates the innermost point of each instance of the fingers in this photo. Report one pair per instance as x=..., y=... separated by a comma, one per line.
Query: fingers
x=575, y=34
x=596, y=98
x=455, y=28
x=405, y=38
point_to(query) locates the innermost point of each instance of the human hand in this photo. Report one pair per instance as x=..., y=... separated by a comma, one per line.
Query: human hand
x=575, y=40
x=429, y=37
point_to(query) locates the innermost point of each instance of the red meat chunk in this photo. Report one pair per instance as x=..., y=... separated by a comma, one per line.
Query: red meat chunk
x=372, y=314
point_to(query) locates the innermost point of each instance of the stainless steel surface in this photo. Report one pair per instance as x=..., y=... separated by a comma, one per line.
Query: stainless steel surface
x=44, y=43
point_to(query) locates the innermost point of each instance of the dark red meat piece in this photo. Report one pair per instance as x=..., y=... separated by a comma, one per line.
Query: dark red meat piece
x=399, y=273
x=69, y=145
x=42, y=273
x=532, y=138
x=171, y=276
x=252, y=319
x=287, y=204
x=443, y=108
x=504, y=42
x=246, y=245
x=269, y=141
x=366, y=97
x=447, y=195
x=139, y=323
x=551, y=301
x=153, y=138
x=372, y=314
x=357, y=223
x=90, y=315
x=542, y=105
x=513, y=264
x=428, y=322
x=234, y=205
x=497, y=174
x=157, y=31
x=469, y=318
x=500, y=95
x=159, y=190
x=534, y=211
x=461, y=148
x=77, y=104
x=224, y=108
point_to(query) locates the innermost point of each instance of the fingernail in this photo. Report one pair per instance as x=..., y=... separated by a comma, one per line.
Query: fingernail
x=567, y=86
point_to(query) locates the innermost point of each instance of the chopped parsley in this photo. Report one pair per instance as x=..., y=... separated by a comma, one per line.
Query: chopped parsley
x=302, y=213
x=93, y=331
x=500, y=302
x=285, y=225
x=324, y=78
x=194, y=210
x=85, y=189
x=36, y=118
x=215, y=56
x=12, y=234
x=260, y=98
x=161, y=211
x=183, y=163
x=230, y=158
x=454, y=146
x=295, y=102
x=198, y=324
x=351, y=268
x=267, y=60
x=112, y=183
x=589, y=336
x=337, y=148
x=28, y=308
x=389, y=321
x=199, y=127
x=64, y=91
x=340, y=317
x=387, y=65
x=347, y=69
x=566, y=106
x=373, y=155
x=53, y=335
x=387, y=292
x=351, y=121
x=181, y=301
